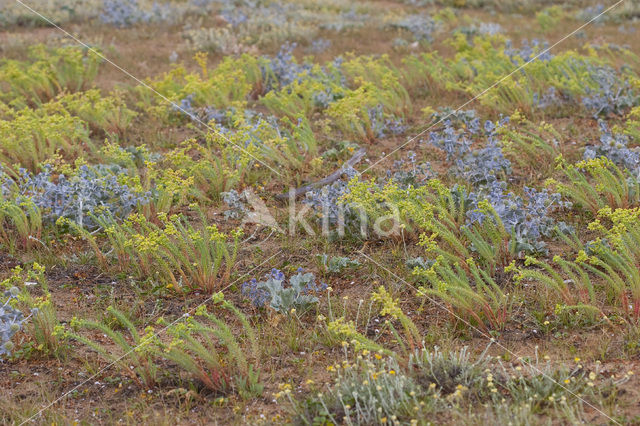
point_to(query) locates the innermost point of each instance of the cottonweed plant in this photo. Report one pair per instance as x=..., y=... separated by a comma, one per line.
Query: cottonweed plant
x=449, y=371
x=252, y=26
x=453, y=383
x=535, y=387
x=176, y=253
x=135, y=354
x=542, y=387
x=372, y=389
x=206, y=347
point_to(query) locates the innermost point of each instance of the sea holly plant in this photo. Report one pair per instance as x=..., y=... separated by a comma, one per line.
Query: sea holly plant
x=237, y=203
x=11, y=321
x=336, y=264
x=612, y=93
x=125, y=13
x=88, y=191
x=284, y=295
x=527, y=219
x=415, y=175
x=477, y=166
x=615, y=146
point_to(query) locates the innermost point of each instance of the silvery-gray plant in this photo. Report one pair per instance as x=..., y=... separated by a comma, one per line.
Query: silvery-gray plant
x=11, y=321
x=281, y=294
x=92, y=190
x=614, y=146
x=612, y=93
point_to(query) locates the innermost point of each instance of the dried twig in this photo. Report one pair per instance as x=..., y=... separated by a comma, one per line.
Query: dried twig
x=355, y=159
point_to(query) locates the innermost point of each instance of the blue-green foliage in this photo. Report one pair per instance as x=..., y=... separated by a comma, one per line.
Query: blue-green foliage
x=92, y=190
x=281, y=294
x=10, y=321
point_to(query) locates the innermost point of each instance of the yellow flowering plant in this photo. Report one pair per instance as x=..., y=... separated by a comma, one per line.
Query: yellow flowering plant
x=108, y=115
x=469, y=291
x=49, y=72
x=44, y=327
x=597, y=183
x=175, y=253
x=136, y=356
x=604, y=270
x=194, y=347
x=20, y=225
x=228, y=84
x=390, y=308
x=28, y=138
